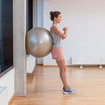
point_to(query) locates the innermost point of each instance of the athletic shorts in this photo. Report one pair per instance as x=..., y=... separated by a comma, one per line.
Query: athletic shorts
x=57, y=53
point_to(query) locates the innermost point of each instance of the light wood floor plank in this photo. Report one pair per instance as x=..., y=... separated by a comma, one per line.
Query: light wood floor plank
x=45, y=88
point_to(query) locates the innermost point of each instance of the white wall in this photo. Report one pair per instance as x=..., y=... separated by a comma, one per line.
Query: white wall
x=86, y=22
x=8, y=81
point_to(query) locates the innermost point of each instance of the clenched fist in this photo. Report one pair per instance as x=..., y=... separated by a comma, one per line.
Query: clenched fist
x=65, y=29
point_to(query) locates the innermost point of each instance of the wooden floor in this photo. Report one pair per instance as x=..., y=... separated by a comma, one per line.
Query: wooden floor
x=45, y=88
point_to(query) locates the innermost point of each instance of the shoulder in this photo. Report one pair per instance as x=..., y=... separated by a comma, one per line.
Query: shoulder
x=54, y=28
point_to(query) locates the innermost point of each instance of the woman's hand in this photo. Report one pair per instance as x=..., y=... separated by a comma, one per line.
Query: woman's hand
x=65, y=29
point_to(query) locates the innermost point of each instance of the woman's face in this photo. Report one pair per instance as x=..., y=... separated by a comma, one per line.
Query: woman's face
x=58, y=19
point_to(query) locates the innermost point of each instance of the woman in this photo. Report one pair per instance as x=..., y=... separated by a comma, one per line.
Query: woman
x=57, y=50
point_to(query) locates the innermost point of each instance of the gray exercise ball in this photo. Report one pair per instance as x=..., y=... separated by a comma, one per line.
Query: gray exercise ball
x=39, y=42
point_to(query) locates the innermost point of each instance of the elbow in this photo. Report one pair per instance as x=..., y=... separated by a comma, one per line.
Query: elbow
x=63, y=37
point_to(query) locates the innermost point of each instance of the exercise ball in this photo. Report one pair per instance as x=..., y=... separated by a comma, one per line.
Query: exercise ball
x=39, y=42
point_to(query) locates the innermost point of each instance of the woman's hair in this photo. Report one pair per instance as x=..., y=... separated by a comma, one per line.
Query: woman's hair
x=54, y=14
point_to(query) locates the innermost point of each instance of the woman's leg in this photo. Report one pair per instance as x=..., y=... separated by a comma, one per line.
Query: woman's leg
x=61, y=65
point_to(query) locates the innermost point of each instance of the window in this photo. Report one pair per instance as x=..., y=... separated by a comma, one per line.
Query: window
x=6, y=34
x=29, y=16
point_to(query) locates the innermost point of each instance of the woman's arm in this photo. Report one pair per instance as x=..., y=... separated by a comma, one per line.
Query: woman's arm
x=59, y=33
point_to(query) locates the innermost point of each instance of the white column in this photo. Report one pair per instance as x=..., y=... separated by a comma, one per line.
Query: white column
x=40, y=22
x=19, y=34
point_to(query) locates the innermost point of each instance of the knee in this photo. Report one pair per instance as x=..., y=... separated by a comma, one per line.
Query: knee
x=63, y=70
